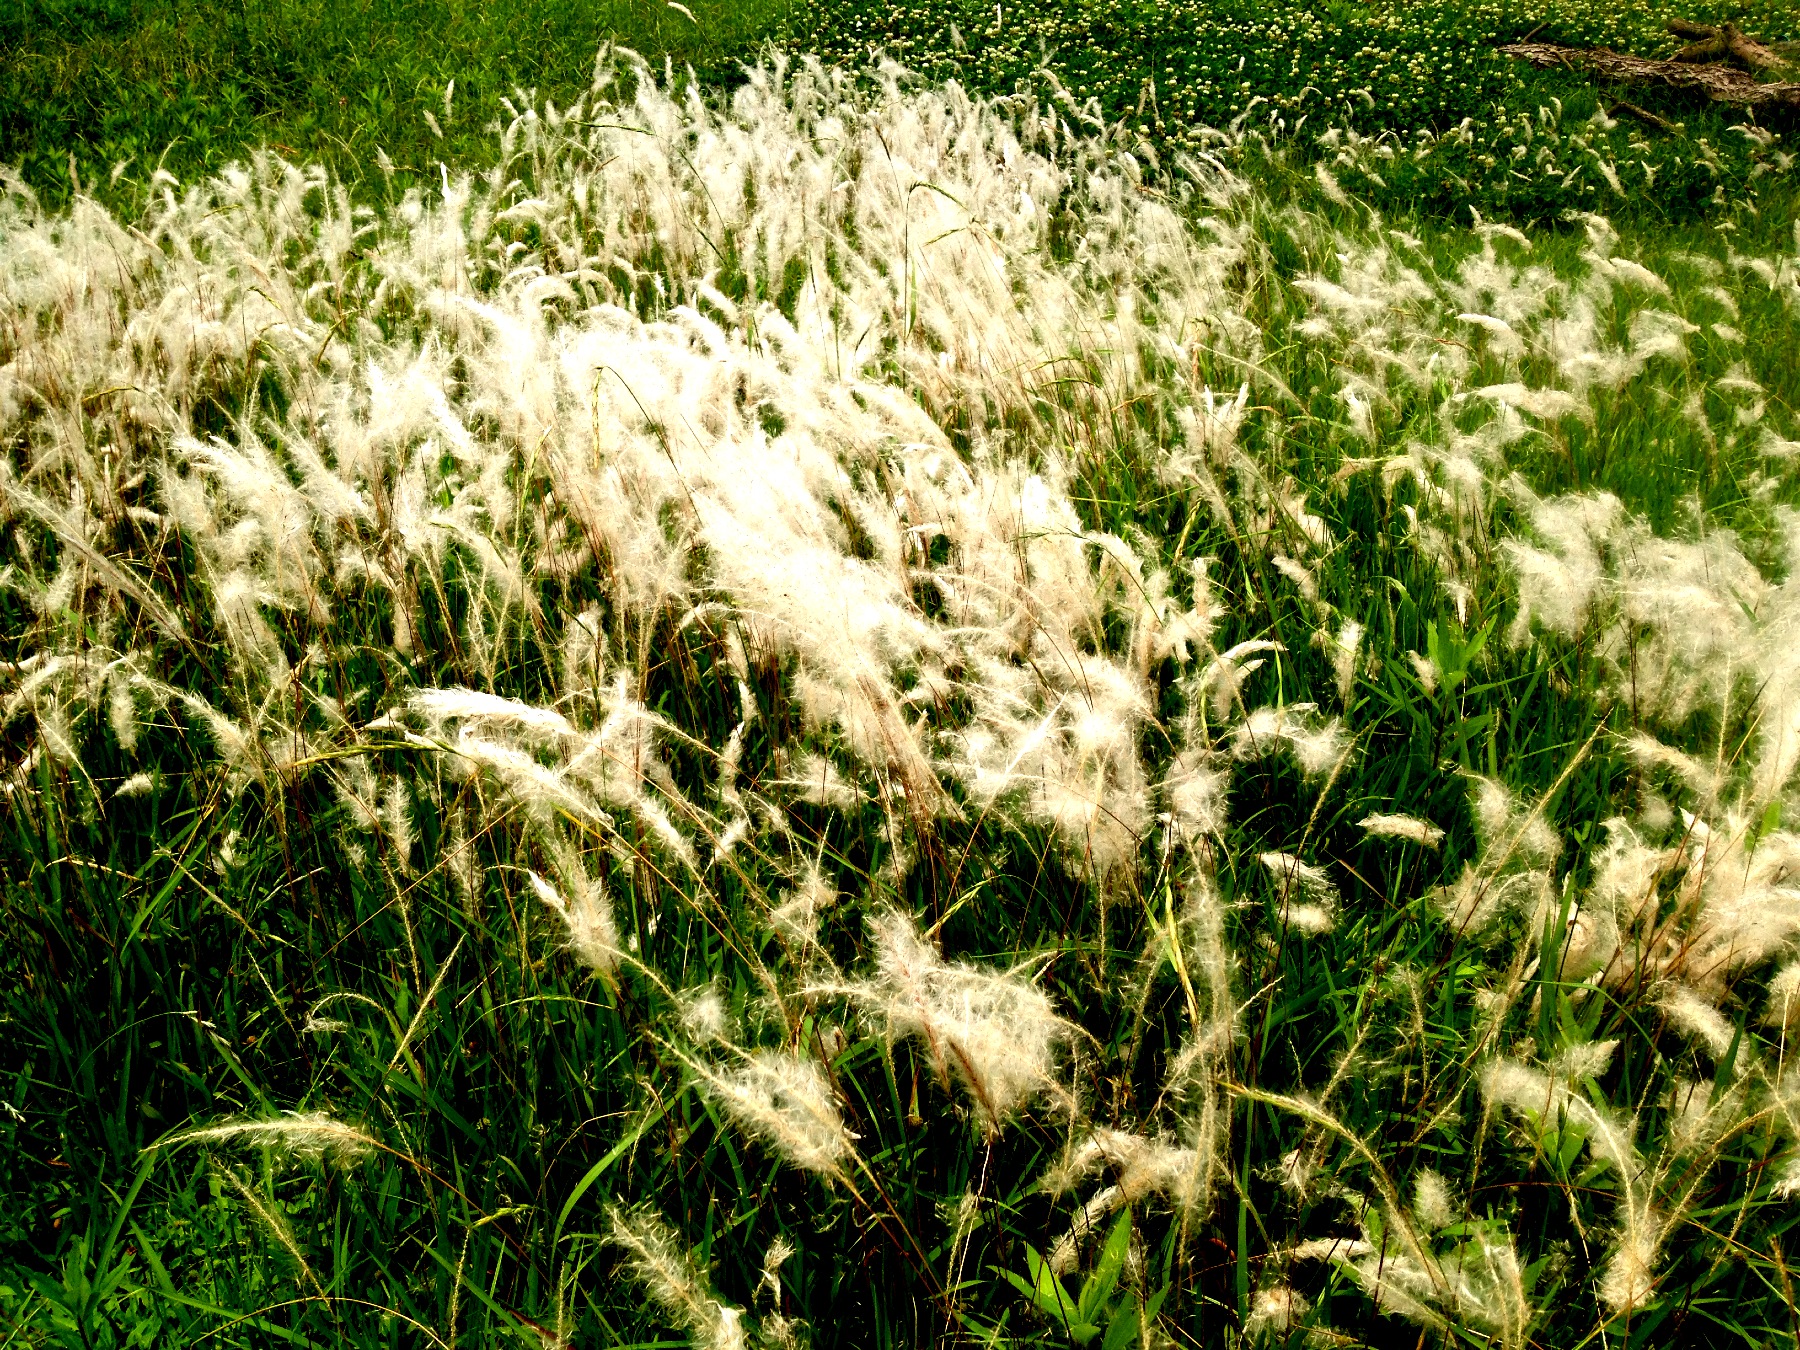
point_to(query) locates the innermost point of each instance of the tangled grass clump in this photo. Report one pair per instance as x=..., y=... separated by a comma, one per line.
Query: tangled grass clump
x=835, y=698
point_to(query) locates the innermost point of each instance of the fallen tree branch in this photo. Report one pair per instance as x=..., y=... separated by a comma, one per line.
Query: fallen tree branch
x=1728, y=42
x=1646, y=116
x=1720, y=82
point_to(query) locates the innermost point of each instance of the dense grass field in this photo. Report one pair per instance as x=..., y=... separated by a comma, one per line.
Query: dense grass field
x=384, y=90
x=1131, y=683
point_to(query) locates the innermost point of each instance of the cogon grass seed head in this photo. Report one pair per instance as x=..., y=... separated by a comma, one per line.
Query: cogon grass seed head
x=994, y=1032
x=658, y=1259
x=787, y=1103
x=305, y=1136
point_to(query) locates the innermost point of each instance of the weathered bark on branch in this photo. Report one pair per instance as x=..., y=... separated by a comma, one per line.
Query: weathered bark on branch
x=1646, y=116
x=1719, y=81
x=1728, y=42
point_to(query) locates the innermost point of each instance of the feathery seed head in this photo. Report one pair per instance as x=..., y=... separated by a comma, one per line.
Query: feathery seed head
x=787, y=1103
x=1277, y=1311
x=1410, y=828
x=657, y=1257
x=307, y=1136
x=705, y=1020
x=1307, y=897
x=587, y=916
x=995, y=1032
x=1431, y=1201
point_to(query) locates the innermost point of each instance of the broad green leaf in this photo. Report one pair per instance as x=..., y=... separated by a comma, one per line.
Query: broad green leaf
x=1105, y=1277
x=1771, y=819
x=1122, y=1331
x=1047, y=1291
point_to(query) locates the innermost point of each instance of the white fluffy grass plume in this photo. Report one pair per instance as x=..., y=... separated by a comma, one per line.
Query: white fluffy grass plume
x=787, y=1102
x=656, y=1256
x=994, y=1031
x=307, y=1136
